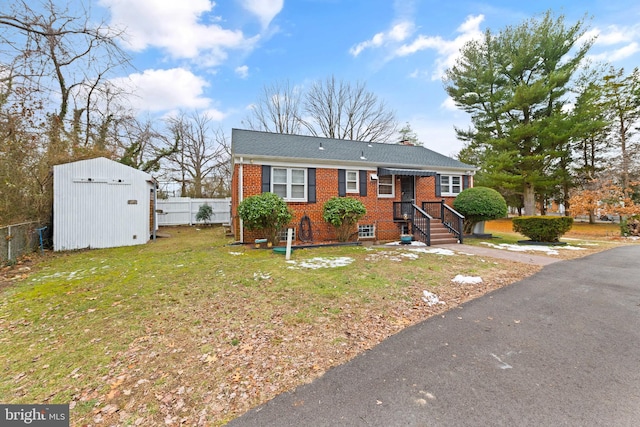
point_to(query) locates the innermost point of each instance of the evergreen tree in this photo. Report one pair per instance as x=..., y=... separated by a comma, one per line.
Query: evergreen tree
x=514, y=84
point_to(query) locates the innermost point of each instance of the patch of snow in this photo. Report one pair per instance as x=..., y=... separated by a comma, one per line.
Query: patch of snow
x=319, y=262
x=236, y=253
x=436, y=251
x=261, y=276
x=431, y=299
x=467, y=280
x=413, y=243
x=411, y=256
x=549, y=250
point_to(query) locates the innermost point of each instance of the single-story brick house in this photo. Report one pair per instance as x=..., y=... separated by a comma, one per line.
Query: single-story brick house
x=406, y=189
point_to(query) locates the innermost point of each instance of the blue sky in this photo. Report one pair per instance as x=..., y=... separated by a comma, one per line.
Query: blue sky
x=216, y=57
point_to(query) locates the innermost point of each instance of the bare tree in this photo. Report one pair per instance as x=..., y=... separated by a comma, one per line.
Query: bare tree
x=622, y=94
x=342, y=111
x=277, y=110
x=202, y=153
x=329, y=108
x=142, y=146
x=61, y=55
x=54, y=62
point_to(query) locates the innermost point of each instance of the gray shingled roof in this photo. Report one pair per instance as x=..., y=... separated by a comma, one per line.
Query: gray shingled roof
x=255, y=144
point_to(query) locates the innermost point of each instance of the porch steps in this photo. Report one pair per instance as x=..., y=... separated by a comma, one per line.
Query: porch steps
x=440, y=234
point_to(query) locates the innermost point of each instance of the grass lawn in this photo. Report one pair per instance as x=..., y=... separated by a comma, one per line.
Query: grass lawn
x=190, y=330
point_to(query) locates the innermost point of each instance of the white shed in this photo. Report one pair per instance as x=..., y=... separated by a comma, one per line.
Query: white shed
x=99, y=203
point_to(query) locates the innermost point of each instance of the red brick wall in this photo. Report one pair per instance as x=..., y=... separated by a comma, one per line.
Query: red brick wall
x=379, y=210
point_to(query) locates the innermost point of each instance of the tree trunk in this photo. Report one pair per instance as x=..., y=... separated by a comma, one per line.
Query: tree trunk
x=529, y=196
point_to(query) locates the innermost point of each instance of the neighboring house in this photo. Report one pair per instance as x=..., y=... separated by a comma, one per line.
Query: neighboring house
x=405, y=188
x=99, y=203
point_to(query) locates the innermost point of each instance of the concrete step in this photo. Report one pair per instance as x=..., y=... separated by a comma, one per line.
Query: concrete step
x=443, y=241
x=440, y=235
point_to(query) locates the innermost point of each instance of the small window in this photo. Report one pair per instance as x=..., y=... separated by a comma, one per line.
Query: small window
x=385, y=186
x=451, y=184
x=366, y=231
x=352, y=182
x=282, y=235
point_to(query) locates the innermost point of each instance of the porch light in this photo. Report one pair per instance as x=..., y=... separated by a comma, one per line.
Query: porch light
x=374, y=176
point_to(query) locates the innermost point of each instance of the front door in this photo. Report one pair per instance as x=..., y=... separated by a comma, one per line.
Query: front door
x=407, y=187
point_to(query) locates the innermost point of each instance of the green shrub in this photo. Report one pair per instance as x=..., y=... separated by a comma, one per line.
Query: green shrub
x=205, y=212
x=630, y=226
x=479, y=204
x=542, y=228
x=343, y=213
x=266, y=211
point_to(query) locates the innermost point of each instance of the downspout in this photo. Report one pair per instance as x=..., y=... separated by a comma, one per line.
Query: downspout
x=241, y=196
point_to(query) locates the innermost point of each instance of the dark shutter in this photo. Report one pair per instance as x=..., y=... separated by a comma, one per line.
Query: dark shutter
x=438, y=186
x=311, y=185
x=266, y=178
x=465, y=182
x=342, y=182
x=363, y=183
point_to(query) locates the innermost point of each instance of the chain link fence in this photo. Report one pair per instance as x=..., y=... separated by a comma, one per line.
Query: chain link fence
x=20, y=239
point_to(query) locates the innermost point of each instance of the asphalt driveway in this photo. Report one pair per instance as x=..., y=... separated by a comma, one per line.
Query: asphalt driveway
x=560, y=348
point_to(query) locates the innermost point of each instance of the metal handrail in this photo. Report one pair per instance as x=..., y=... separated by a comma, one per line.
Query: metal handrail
x=421, y=224
x=453, y=220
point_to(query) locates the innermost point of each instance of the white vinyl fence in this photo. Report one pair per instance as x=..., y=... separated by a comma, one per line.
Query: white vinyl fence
x=183, y=210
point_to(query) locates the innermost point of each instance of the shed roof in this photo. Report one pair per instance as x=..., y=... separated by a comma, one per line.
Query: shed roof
x=256, y=144
x=102, y=165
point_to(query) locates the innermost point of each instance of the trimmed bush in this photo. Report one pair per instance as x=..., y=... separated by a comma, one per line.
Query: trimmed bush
x=343, y=213
x=542, y=228
x=479, y=204
x=266, y=211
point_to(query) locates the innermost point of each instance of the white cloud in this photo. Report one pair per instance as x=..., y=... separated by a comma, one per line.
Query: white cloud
x=620, y=54
x=242, y=71
x=265, y=10
x=214, y=114
x=447, y=50
x=614, y=34
x=449, y=104
x=161, y=90
x=177, y=27
x=397, y=34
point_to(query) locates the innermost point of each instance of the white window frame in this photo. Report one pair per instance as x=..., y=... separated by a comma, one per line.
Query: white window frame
x=366, y=231
x=354, y=181
x=448, y=188
x=282, y=234
x=289, y=184
x=393, y=187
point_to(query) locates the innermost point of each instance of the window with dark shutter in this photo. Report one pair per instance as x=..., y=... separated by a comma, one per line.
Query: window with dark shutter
x=363, y=183
x=266, y=178
x=465, y=182
x=342, y=182
x=311, y=188
x=438, y=186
